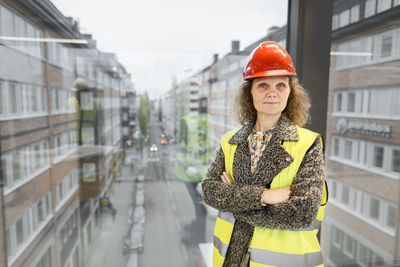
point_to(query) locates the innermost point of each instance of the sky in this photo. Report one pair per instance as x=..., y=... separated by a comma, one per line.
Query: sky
x=156, y=40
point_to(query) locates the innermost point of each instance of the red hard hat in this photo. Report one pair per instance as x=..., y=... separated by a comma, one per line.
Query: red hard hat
x=269, y=59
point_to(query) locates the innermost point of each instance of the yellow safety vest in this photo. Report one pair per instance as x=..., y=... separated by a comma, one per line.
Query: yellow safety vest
x=273, y=247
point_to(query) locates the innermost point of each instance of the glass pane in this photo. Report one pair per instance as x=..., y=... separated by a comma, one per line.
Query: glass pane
x=386, y=50
x=107, y=132
x=351, y=102
x=365, y=70
x=396, y=160
x=374, y=208
x=19, y=232
x=391, y=217
x=345, y=194
x=378, y=157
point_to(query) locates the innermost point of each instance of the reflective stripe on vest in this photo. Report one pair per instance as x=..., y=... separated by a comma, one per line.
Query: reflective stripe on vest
x=226, y=216
x=222, y=247
x=272, y=247
x=315, y=226
x=267, y=257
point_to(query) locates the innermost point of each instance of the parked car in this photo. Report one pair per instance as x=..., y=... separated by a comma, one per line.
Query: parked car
x=163, y=142
x=153, y=148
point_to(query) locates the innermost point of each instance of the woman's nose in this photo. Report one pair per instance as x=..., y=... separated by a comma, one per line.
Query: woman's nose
x=270, y=91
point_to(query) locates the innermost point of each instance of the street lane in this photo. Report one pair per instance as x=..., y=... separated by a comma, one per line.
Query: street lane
x=175, y=220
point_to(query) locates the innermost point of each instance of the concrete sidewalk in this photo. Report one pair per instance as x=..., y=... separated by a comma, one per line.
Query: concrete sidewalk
x=107, y=248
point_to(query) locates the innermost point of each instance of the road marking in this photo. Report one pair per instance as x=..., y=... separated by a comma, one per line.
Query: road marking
x=185, y=255
x=178, y=224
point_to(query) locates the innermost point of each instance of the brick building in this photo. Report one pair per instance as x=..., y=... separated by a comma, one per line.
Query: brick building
x=60, y=134
x=363, y=135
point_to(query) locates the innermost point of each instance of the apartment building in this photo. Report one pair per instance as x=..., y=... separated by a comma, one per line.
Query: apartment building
x=363, y=135
x=57, y=155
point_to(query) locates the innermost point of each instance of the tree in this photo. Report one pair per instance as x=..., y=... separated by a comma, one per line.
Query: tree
x=160, y=112
x=144, y=116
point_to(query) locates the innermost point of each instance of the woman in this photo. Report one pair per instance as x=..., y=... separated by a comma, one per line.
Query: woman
x=267, y=179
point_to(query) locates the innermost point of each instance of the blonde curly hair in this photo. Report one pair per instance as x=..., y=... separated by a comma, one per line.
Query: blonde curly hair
x=297, y=108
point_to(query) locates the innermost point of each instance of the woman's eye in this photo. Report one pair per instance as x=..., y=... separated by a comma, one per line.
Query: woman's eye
x=281, y=85
x=262, y=85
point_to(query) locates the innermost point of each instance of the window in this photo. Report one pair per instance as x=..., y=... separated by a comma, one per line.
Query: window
x=335, y=24
x=386, y=48
x=56, y=99
x=27, y=92
x=34, y=99
x=363, y=254
x=12, y=98
x=380, y=103
x=45, y=261
x=59, y=192
x=7, y=24
x=44, y=99
x=352, y=199
x=391, y=216
x=339, y=102
x=40, y=213
x=384, y=5
x=345, y=194
x=344, y=18
x=336, y=147
x=337, y=237
x=351, y=102
x=71, y=181
x=46, y=151
x=370, y=53
x=8, y=241
x=58, y=145
x=16, y=166
x=396, y=160
x=20, y=231
x=396, y=2
x=38, y=157
x=369, y=8
x=48, y=204
x=367, y=155
x=378, y=156
x=374, y=207
x=355, y=14
x=349, y=245
x=378, y=260
x=348, y=147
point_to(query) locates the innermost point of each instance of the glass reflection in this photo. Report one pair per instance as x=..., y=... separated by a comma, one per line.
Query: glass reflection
x=62, y=140
x=80, y=173
x=361, y=226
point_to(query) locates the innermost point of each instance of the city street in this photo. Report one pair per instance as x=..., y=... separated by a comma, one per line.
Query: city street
x=175, y=219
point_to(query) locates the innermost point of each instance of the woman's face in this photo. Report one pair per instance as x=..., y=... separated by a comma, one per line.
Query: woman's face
x=270, y=94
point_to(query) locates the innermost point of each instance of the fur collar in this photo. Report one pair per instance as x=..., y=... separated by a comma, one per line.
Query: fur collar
x=285, y=130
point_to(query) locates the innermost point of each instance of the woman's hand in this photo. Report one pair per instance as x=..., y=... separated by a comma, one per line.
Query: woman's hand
x=275, y=196
x=226, y=178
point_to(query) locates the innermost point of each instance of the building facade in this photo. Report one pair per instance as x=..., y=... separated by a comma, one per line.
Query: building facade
x=60, y=132
x=363, y=135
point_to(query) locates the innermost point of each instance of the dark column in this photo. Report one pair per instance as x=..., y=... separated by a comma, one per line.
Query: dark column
x=309, y=44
